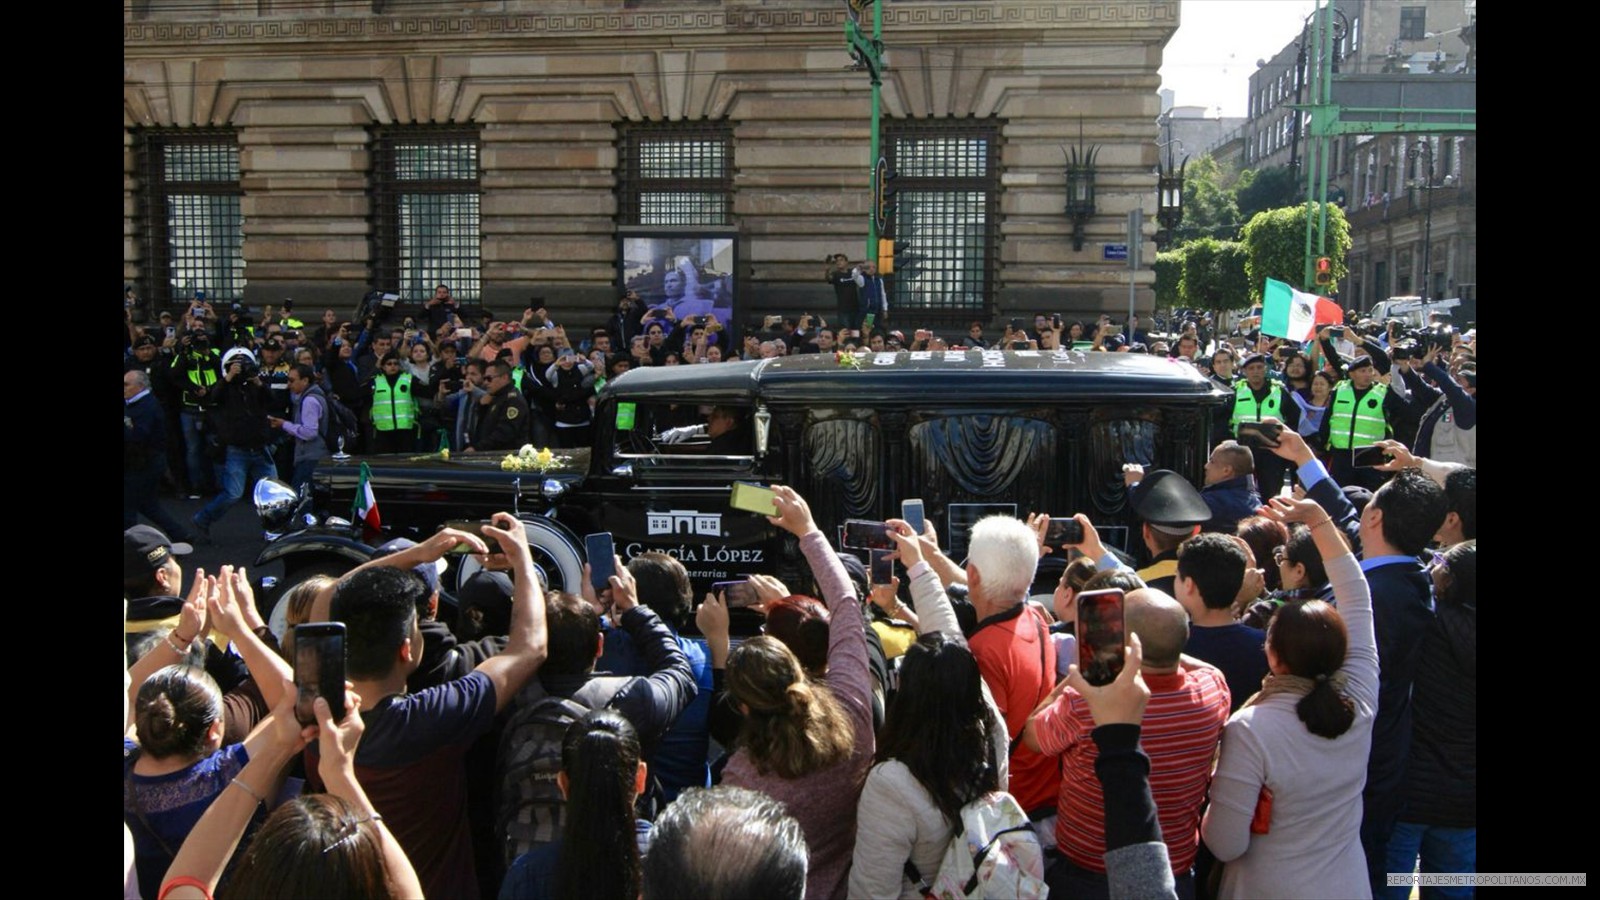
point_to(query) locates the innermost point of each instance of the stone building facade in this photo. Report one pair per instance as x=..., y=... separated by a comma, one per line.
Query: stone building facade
x=336, y=109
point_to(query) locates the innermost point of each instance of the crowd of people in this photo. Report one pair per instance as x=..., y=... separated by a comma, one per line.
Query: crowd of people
x=1295, y=713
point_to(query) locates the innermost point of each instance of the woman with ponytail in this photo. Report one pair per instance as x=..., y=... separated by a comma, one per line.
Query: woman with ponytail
x=1285, y=813
x=177, y=766
x=806, y=744
x=598, y=854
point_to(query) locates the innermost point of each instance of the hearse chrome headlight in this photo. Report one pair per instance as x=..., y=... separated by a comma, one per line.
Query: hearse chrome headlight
x=275, y=503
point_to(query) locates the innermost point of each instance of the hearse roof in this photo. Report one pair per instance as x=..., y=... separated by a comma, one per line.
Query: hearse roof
x=907, y=377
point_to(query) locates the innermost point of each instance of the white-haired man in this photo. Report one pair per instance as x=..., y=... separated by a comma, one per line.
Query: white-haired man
x=1013, y=648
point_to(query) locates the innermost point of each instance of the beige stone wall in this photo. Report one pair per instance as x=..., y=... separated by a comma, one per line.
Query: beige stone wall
x=546, y=82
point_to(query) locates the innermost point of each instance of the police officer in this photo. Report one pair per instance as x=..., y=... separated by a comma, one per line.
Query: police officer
x=238, y=408
x=287, y=319
x=195, y=370
x=394, y=409
x=503, y=424
x=1357, y=417
x=1172, y=511
x=1258, y=397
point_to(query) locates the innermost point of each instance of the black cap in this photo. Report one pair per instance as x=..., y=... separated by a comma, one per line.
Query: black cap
x=1168, y=503
x=1253, y=358
x=484, y=601
x=1359, y=362
x=143, y=340
x=146, y=549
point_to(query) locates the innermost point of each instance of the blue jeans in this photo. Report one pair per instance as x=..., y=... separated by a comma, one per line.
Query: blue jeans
x=1442, y=849
x=243, y=467
x=198, y=475
x=303, y=471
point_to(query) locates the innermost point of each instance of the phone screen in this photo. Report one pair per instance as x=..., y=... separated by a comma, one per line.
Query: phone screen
x=318, y=669
x=1063, y=532
x=475, y=528
x=602, y=563
x=1259, y=434
x=860, y=534
x=736, y=594
x=912, y=512
x=1367, y=457
x=1100, y=635
x=1019, y=345
x=882, y=566
x=753, y=498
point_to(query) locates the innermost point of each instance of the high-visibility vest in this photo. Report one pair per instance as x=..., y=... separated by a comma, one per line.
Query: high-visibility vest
x=201, y=371
x=393, y=407
x=291, y=322
x=1353, y=424
x=1246, y=409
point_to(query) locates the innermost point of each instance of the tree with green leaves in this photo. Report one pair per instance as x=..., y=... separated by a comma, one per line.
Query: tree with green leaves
x=1214, y=275
x=1209, y=208
x=1169, y=278
x=1275, y=241
x=1265, y=189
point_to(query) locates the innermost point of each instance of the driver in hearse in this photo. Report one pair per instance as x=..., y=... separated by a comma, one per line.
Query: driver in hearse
x=726, y=426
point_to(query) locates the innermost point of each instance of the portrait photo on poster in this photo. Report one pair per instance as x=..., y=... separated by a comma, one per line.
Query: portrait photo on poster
x=691, y=273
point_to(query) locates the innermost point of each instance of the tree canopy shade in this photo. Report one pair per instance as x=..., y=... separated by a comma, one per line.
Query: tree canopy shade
x=1214, y=275
x=1275, y=241
x=1264, y=189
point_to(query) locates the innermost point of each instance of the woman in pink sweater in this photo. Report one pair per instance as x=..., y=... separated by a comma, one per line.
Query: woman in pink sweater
x=806, y=744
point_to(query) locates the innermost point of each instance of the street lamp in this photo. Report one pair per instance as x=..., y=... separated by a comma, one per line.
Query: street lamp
x=1169, y=193
x=1424, y=148
x=1080, y=186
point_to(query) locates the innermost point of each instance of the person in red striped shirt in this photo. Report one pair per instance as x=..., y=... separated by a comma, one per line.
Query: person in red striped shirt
x=1183, y=721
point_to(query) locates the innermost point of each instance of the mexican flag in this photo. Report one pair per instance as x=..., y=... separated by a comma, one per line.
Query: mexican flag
x=365, y=507
x=1286, y=312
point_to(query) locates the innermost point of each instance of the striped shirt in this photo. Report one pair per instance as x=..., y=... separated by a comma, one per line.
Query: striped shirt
x=1182, y=726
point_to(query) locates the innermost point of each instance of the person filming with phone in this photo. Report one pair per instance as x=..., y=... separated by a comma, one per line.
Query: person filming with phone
x=1182, y=722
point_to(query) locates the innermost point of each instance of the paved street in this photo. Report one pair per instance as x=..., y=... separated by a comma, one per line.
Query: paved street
x=237, y=539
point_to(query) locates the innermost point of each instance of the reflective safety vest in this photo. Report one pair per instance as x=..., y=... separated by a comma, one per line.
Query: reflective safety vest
x=201, y=371
x=393, y=407
x=1246, y=409
x=1354, y=424
x=289, y=321
x=517, y=374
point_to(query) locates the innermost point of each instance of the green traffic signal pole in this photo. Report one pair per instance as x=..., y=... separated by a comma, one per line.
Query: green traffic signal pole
x=870, y=53
x=1317, y=176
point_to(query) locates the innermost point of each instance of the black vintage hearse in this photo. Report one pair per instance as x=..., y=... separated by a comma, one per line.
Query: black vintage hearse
x=968, y=432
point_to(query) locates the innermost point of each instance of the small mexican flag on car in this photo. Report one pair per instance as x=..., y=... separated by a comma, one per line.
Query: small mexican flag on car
x=365, y=508
x=1286, y=312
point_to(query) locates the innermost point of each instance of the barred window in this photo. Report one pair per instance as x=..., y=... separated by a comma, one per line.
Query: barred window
x=947, y=187
x=1413, y=23
x=190, y=221
x=427, y=227
x=675, y=173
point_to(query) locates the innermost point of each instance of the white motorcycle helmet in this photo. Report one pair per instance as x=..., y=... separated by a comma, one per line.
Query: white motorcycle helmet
x=227, y=358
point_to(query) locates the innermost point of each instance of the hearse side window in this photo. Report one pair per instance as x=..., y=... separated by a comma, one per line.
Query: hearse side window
x=684, y=430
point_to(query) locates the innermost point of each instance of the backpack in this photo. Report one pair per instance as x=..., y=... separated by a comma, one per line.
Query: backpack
x=997, y=854
x=529, y=808
x=337, y=422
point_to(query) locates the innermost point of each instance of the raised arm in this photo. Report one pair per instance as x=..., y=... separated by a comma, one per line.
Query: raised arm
x=847, y=644
x=233, y=611
x=934, y=613
x=529, y=642
x=654, y=702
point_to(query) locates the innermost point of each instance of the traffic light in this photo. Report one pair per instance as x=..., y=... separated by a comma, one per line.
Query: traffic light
x=1324, y=270
x=885, y=256
x=883, y=202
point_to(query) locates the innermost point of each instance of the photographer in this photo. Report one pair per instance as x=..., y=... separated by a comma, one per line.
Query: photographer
x=194, y=371
x=440, y=307
x=238, y=412
x=846, y=290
